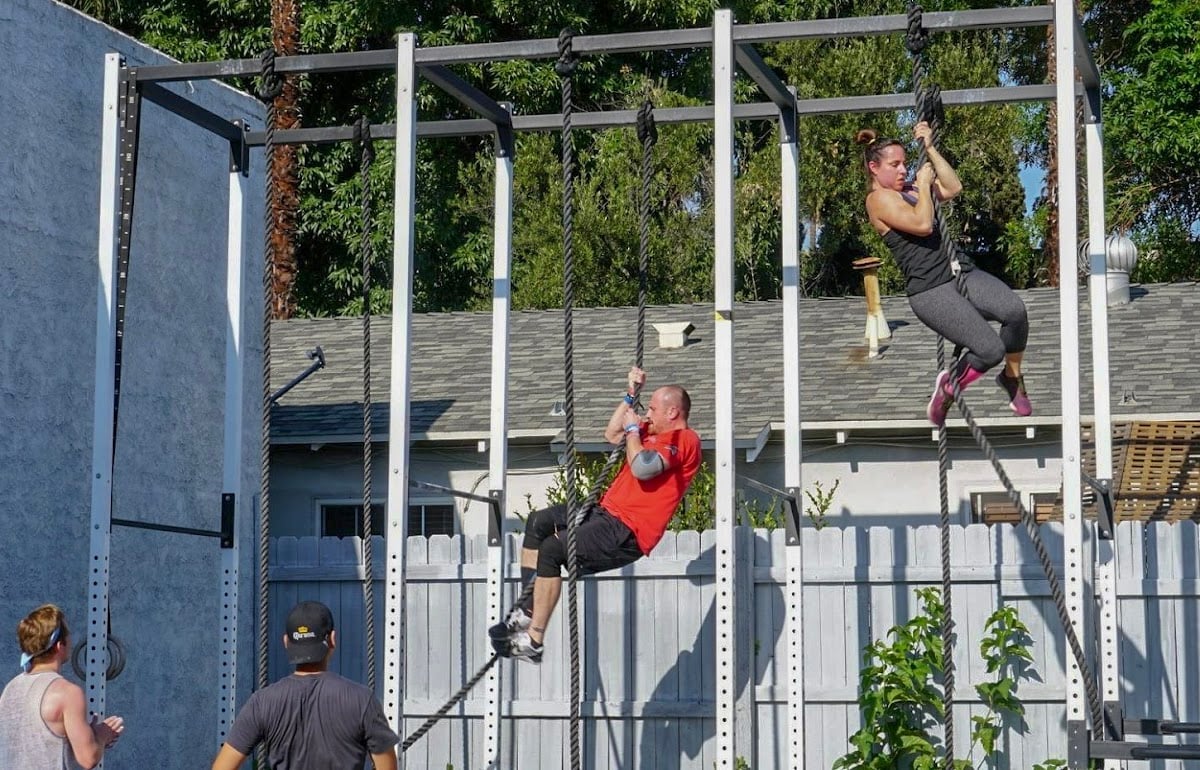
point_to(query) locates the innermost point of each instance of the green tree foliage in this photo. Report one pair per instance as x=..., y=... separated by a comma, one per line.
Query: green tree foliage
x=1148, y=52
x=1152, y=121
x=455, y=176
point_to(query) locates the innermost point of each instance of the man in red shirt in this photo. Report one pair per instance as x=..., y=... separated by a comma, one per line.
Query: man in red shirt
x=662, y=455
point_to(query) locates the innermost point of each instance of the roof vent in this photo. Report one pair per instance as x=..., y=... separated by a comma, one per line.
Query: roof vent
x=673, y=335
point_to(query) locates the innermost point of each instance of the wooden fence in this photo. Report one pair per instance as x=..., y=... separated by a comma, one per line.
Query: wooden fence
x=649, y=635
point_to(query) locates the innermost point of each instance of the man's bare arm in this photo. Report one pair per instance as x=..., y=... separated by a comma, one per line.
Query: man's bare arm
x=229, y=758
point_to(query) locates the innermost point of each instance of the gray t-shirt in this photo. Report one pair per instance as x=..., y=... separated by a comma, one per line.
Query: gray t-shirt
x=315, y=721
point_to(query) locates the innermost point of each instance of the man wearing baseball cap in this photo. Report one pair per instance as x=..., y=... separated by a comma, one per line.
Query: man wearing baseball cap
x=313, y=719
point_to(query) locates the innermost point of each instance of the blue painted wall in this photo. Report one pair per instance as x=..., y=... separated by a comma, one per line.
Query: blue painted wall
x=164, y=587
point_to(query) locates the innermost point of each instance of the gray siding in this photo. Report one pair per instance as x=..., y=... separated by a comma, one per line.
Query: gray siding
x=880, y=482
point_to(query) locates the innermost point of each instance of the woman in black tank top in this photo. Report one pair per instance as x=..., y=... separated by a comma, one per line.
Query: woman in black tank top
x=902, y=212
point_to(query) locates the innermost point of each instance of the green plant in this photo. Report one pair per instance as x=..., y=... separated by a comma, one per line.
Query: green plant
x=589, y=471
x=821, y=501
x=900, y=692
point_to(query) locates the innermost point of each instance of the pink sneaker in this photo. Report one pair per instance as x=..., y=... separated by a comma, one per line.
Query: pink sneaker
x=940, y=401
x=1018, y=399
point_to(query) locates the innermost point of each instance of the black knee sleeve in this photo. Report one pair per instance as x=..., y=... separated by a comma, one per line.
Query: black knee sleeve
x=552, y=555
x=539, y=526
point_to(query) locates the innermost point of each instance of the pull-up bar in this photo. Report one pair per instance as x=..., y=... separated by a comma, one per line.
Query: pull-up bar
x=624, y=42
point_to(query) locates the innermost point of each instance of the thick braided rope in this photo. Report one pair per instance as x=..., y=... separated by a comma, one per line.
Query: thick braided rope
x=269, y=88
x=565, y=67
x=454, y=699
x=1035, y=536
x=462, y=691
x=648, y=134
x=929, y=107
x=362, y=135
x=916, y=40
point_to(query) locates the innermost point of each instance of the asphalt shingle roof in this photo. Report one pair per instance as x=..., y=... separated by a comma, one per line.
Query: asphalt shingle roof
x=1155, y=371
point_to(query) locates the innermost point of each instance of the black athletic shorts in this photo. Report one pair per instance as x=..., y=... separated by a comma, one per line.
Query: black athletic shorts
x=602, y=541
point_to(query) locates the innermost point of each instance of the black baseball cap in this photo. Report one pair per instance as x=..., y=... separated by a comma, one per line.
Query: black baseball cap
x=308, y=627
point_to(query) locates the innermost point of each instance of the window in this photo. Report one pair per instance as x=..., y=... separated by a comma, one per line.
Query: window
x=997, y=508
x=343, y=518
x=431, y=518
x=993, y=508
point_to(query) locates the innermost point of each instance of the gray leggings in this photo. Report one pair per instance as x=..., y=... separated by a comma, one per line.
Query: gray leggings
x=964, y=320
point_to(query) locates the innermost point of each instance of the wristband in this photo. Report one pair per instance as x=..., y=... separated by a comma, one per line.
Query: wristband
x=632, y=427
x=629, y=399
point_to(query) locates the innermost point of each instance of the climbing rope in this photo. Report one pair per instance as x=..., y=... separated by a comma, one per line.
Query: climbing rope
x=647, y=133
x=648, y=136
x=916, y=39
x=565, y=67
x=362, y=137
x=929, y=107
x=270, y=86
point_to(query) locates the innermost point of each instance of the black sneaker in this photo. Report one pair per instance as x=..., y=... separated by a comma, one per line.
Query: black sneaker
x=522, y=646
x=518, y=620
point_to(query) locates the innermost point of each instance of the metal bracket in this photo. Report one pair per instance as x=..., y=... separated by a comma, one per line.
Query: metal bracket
x=1105, y=513
x=496, y=519
x=506, y=142
x=239, y=150
x=228, y=514
x=793, y=518
x=317, y=356
x=1114, y=725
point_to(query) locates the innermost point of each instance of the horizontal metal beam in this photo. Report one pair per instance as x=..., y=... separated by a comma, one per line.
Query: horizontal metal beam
x=470, y=96
x=626, y=42
x=663, y=115
x=955, y=98
x=865, y=26
x=782, y=494
x=772, y=86
x=135, y=524
x=1134, y=750
x=192, y=112
x=1160, y=727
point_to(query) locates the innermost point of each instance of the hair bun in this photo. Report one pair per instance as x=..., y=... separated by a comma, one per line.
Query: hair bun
x=865, y=136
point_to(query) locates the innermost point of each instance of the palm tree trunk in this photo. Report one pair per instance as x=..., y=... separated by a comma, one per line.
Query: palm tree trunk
x=285, y=38
x=1050, y=247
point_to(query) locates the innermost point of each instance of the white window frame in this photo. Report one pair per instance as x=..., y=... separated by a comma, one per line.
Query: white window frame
x=320, y=502
x=1028, y=497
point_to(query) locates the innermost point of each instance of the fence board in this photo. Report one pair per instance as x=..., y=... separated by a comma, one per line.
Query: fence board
x=649, y=632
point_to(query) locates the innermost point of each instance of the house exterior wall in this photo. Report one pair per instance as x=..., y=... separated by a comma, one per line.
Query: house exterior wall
x=165, y=597
x=880, y=482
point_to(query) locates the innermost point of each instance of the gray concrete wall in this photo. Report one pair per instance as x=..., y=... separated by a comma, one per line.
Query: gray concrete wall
x=168, y=467
x=880, y=482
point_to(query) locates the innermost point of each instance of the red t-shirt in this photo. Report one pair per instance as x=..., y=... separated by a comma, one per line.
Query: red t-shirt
x=646, y=507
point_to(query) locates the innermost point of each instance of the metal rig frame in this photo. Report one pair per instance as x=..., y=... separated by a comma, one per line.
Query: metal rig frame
x=733, y=48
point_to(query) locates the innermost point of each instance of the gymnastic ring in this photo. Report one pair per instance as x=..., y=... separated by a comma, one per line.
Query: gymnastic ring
x=116, y=659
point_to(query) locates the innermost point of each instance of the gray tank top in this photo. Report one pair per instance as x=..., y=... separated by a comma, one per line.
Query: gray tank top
x=25, y=739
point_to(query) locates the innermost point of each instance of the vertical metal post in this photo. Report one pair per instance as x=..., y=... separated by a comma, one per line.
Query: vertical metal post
x=1106, y=551
x=231, y=465
x=792, y=452
x=723, y=159
x=103, y=417
x=401, y=387
x=1073, y=561
x=498, y=442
